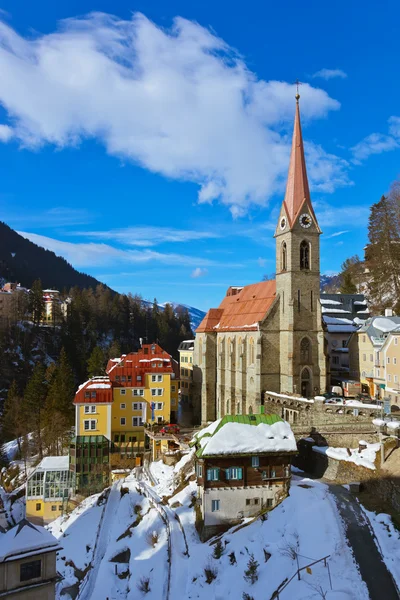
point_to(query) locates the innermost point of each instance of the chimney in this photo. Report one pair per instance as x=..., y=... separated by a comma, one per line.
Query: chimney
x=141, y=342
x=388, y=312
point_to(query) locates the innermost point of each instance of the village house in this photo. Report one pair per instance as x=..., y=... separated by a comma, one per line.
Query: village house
x=111, y=412
x=242, y=468
x=375, y=357
x=28, y=563
x=268, y=335
x=342, y=315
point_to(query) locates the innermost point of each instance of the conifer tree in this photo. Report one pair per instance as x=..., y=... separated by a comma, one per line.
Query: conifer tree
x=96, y=362
x=36, y=302
x=251, y=573
x=13, y=425
x=114, y=350
x=33, y=404
x=383, y=251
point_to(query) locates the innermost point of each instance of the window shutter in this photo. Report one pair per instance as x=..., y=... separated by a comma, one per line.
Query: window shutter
x=209, y=474
x=228, y=474
x=216, y=471
x=240, y=473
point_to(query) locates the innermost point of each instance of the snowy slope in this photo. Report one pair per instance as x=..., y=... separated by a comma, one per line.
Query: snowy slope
x=196, y=315
x=308, y=520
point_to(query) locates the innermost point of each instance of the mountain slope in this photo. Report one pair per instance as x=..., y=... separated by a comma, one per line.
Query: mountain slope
x=23, y=261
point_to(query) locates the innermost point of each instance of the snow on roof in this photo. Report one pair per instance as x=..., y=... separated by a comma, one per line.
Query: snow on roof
x=24, y=539
x=236, y=435
x=337, y=320
x=384, y=324
x=334, y=310
x=378, y=422
x=360, y=302
x=341, y=328
x=393, y=424
x=365, y=458
x=327, y=301
x=98, y=386
x=54, y=463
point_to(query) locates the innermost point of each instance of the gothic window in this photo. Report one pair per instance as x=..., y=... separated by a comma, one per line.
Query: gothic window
x=251, y=351
x=227, y=407
x=200, y=351
x=238, y=408
x=304, y=255
x=305, y=351
x=283, y=257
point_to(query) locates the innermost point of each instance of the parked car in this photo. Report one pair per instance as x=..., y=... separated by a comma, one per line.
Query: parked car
x=334, y=399
x=366, y=398
x=329, y=395
x=171, y=428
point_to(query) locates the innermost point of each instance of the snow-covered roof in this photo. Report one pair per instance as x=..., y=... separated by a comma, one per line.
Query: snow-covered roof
x=25, y=539
x=327, y=301
x=245, y=434
x=384, y=324
x=54, y=463
x=98, y=386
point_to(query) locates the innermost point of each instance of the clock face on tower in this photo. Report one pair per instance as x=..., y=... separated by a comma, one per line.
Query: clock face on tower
x=305, y=220
x=283, y=223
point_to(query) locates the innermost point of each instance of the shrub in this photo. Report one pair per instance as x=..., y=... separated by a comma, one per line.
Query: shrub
x=218, y=550
x=251, y=573
x=210, y=573
x=152, y=538
x=144, y=585
x=232, y=558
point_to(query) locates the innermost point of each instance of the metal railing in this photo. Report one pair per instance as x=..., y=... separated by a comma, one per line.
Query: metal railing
x=276, y=594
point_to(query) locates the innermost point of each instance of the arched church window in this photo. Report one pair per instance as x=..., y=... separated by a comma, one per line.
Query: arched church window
x=283, y=257
x=304, y=255
x=238, y=408
x=251, y=351
x=227, y=408
x=305, y=351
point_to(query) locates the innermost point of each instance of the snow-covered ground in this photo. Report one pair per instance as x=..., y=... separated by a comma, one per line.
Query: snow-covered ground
x=388, y=538
x=365, y=458
x=307, y=522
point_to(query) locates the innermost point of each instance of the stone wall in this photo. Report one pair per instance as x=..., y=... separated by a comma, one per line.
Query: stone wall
x=321, y=465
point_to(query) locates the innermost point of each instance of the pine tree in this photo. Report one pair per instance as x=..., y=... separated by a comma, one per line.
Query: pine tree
x=114, y=350
x=96, y=362
x=12, y=425
x=347, y=285
x=33, y=404
x=383, y=251
x=218, y=550
x=65, y=382
x=36, y=302
x=251, y=573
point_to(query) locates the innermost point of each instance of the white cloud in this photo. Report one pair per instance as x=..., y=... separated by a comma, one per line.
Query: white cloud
x=394, y=126
x=375, y=143
x=330, y=74
x=178, y=102
x=94, y=255
x=198, y=272
x=148, y=236
x=262, y=261
x=6, y=133
x=336, y=234
x=336, y=216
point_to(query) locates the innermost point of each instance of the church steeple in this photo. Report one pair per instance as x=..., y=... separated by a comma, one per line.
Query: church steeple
x=297, y=189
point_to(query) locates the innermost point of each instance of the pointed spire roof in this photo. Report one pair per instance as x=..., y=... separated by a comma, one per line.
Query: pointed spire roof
x=297, y=189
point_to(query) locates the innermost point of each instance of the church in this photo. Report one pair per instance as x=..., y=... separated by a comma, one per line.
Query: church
x=268, y=335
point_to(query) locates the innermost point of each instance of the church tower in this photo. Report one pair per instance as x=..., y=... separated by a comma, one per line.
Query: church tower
x=302, y=356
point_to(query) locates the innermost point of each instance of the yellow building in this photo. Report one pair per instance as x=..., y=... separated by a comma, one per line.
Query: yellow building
x=185, y=350
x=375, y=357
x=111, y=413
x=48, y=489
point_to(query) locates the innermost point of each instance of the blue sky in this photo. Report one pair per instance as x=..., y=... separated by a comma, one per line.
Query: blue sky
x=149, y=143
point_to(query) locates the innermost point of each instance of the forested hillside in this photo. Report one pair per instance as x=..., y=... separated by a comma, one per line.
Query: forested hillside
x=23, y=261
x=41, y=366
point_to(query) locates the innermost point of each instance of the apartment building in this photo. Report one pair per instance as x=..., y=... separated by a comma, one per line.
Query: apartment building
x=139, y=390
x=374, y=352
